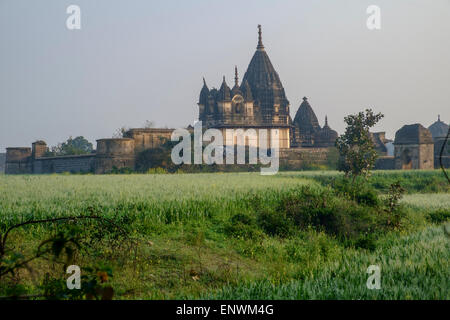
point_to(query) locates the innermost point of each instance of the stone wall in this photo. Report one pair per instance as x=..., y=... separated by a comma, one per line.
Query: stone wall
x=250, y=136
x=2, y=162
x=18, y=160
x=385, y=163
x=148, y=138
x=73, y=164
x=298, y=158
x=426, y=156
x=114, y=154
x=414, y=156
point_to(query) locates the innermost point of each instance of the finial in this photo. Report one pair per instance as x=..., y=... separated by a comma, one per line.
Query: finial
x=326, y=120
x=260, y=44
x=204, y=81
x=439, y=118
x=305, y=98
x=236, y=78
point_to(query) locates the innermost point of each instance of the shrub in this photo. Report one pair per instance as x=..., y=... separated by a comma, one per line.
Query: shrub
x=157, y=171
x=243, y=225
x=355, y=224
x=275, y=223
x=311, y=248
x=439, y=216
x=394, y=195
x=357, y=190
x=306, y=208
x=367, y=241
x=394, y=213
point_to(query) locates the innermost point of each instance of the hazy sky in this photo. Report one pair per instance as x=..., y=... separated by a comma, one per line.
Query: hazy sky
x=134, y=61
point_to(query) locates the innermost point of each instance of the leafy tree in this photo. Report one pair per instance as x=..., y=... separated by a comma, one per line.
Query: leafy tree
x=356, y=148
x=76, y=146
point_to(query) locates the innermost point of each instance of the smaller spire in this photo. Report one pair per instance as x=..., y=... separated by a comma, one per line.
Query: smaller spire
x=236, y=78
x=439, y=118
x=260, y=44
x=326, y=121
x=224, y=92
x=204, y=93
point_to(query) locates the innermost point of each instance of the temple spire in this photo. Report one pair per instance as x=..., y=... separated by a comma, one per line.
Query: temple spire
x=260, y=44
x=236, y=78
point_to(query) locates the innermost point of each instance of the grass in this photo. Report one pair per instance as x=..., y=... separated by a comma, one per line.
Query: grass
x=414, y=181
x=187, y=247
x=412, y=267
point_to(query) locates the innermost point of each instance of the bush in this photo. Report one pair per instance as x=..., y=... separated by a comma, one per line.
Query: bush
x=367, y=241
x=243, y=225
x=439, y=216
x=157, y=171
x=275, y=223
x=308, y=207
x=355, y=224
x=311, y=248
x=358, y=190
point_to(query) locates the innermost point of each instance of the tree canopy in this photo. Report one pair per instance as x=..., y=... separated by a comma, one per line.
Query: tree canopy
x=356, y=147
x=73, y=146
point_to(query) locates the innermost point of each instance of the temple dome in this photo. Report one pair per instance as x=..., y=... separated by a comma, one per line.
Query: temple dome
x=439, y=129
x=413, y=134
x=224, y=92
x=326, y=137
x=204, y=93
x=327, y=132
x=264, y=81
x=305, y=118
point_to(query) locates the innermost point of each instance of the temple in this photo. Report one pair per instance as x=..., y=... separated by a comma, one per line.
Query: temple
x=257, y=102
x=260, y=102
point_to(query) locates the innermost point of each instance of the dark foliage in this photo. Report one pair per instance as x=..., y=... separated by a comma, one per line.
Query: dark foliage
x=439, y=216
x=76, y=146
x=351, y=213
x=356, y=148
x=243, y=225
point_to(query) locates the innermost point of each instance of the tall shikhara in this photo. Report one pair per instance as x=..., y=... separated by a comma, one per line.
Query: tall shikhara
x=259, y=101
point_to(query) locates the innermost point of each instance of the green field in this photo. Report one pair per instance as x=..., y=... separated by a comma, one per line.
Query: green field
x=187, y=240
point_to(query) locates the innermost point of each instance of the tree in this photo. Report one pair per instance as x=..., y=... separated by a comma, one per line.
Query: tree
x=356, y=148
x=76, y=146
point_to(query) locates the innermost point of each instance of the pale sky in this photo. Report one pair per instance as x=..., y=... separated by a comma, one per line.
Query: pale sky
x=136, y=60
